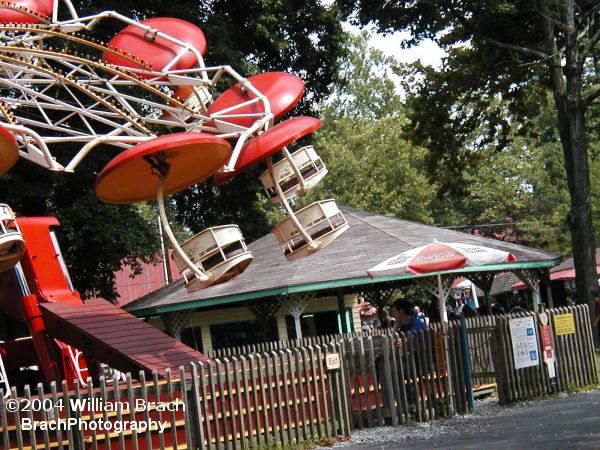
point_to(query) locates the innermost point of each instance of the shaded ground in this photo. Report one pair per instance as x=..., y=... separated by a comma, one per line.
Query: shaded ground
x=566, y=422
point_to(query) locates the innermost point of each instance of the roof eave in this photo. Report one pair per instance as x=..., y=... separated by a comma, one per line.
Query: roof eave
x=336, y=284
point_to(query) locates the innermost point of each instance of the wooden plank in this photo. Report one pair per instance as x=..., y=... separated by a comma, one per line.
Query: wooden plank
x=405, y=380
x=375, y=378
x=271, y=397
x=205, y=389
x=389, y=399
x=278, y=404
x=32, y=438
x=428, y=389
x=220, y=375
x=255, y=385
x=295, y=410
x=334, y=396
x=344, y=391
x=57, y=410
x=241, y=411
x=248, y=439
x=188, y=405
x=579, y=340
x=395, y=400
x=589, y=345
x=310, y=391
x=355, y=380
x=513, y=387
x=44, y=415
x=454, y=367
x=304, y=392
x=213, y=387
x=562, y=361
x=230, y=403
x=143, y=387
x=411, y=363
x=437, y=399
x=500, y=366
x=324, y=394
x=4, y=421
x=287, y=386
x=262, y=380
x=364, y=374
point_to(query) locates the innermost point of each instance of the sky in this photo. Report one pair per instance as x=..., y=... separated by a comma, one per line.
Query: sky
x=428, y=51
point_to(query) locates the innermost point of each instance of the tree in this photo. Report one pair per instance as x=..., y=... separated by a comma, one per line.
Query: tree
x=505, y=48
x=370, y=164
x=96, y=238
x=300, y=37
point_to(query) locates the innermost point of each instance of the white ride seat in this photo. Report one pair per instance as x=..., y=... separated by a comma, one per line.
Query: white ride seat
x=12, y=244
x=322, y=220
x=220, y=252
x=4, y=384
x=307, y=163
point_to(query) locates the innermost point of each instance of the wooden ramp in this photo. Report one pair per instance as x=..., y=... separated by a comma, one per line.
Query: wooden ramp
x=106, y=332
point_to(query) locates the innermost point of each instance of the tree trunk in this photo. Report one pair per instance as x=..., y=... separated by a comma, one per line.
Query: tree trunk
x=567, y=90
x=571, y=124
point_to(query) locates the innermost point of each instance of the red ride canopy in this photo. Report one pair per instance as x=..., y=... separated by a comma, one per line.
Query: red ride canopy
x=157, y=52
x=33, y=10
x=9, y=152
x=270, y=142
x=283, y=90
x=190, y=157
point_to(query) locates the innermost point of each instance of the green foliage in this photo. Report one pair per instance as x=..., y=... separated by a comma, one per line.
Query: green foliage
x=303, y=37
x=299, y=37
x=503, y=56
x=518, y=194
x=307, y=444
x=371, y=166
x=96, y=238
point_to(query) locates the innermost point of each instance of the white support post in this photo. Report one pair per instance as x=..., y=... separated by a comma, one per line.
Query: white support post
x=440, y=287
x=288, y=209
x=295, y=305
x=167, y=229
x=175, y=322
x=531, y=278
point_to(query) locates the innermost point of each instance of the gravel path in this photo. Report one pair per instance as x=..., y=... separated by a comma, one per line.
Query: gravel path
x=570, y=421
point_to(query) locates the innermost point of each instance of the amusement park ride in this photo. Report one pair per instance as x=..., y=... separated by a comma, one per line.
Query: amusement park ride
x=147, y=92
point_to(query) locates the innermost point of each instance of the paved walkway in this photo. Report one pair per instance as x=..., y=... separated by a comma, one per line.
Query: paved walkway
x=567, y=422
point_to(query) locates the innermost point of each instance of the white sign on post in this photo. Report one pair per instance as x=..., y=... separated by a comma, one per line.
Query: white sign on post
x=333, y=361
x=524, y=342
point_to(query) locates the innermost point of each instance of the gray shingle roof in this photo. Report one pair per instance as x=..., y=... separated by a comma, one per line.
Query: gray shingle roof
x=569, y=264
x=371, y=239
x=503, y=282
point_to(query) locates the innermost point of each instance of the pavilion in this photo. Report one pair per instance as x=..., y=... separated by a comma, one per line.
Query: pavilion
x=278, y=293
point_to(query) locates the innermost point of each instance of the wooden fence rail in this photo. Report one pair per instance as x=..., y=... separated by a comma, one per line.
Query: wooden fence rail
x=392, y=384
x=284, y=344
x=276, y=397
x=479, y=335
x=573, y=350
x=291, y=391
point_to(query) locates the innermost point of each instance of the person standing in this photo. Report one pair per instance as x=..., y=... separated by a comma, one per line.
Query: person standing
x=421, y=315
x=403, y=312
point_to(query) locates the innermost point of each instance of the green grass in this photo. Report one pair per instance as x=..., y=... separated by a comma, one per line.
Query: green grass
x=309, y=444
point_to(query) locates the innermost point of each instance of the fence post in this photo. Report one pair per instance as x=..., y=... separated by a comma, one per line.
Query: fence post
x=468, y=369
x=195, y=414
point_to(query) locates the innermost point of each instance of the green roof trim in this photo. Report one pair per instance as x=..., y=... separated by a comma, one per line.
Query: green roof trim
x=334, y=284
